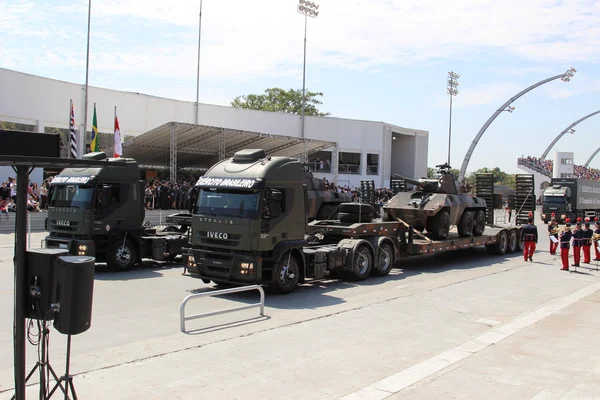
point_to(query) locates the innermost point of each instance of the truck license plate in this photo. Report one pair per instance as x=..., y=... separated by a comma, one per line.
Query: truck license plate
x=62, y=246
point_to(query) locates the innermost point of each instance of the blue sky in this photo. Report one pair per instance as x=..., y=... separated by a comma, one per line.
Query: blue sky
x=375, y=60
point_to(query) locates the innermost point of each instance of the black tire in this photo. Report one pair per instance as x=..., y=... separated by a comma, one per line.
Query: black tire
x=520, y=243
x=354, y=218
x=355, y=208
x=499, y=248
x=122, y=255
x=441, y=225
x=385, y=260
x=362, y=263
x=327, y=212
x=479, y=223
x=286, y=274
x=513, y=241
x=465, y=225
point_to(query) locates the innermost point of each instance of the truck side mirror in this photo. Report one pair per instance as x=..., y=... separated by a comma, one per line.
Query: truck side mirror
x=105, y=196
x=275, y=203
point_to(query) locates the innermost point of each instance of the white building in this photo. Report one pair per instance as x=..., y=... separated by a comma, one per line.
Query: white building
x=562, y=167
x=365, y=149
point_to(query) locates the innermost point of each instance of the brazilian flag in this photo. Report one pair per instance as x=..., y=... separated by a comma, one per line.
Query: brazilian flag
x=94, y=145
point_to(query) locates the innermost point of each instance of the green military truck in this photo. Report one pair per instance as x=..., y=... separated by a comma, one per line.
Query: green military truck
x=100, y=212
x=251, y=226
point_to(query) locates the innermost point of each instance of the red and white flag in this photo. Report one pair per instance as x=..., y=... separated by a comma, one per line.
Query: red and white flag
x=118, y=138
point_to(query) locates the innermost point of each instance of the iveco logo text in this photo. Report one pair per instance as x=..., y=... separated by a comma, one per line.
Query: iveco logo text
x=216, y=221
x=217, y=235
x=63, y=223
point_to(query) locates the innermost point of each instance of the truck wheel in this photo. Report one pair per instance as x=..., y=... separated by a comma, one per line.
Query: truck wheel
x=479, y=223
x=362, y=264
x=286, y=275
x=499, y=248
x=441, y=225
x=465, y=225
x=121, y=256
x=513, y=241
x=385, y=260
x=520, y=244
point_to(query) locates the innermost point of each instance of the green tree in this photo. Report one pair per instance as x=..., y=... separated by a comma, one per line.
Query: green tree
x=500, y=177
x=281, y=101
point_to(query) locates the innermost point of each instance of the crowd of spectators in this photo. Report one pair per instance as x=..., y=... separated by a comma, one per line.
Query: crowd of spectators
x=545, y=167
x=37, y=196
x=162, y=194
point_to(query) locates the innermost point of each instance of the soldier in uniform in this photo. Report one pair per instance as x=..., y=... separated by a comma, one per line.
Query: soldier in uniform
x=553, y=231
x=577, y=242
x=529, y=236
x=587, y=241
x=565, y=243
x=597, y=235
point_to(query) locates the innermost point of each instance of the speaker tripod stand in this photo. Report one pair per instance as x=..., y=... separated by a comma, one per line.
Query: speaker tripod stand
x=43, y=365
x=66, y=378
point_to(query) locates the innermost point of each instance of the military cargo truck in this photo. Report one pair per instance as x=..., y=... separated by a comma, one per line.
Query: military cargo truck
x=571, y=198
x=100, y=212
x=250, y=226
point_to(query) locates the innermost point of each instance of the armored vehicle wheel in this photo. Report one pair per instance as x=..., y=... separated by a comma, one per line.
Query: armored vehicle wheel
x=479, y=223
x=121, y=255
x=441, y=225
x=499, y=248
x=355, y=208
x=354, y=217
x=513, y=241
x=362, y=263
x=465, y=225
x=385, y=260
x=286, y=274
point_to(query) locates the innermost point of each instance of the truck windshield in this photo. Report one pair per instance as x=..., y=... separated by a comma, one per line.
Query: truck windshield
x=555, y=199
x=71, y=196
x=229, y=202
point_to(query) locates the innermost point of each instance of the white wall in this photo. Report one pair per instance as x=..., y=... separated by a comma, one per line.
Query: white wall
x=35, y=100
x=559, y=168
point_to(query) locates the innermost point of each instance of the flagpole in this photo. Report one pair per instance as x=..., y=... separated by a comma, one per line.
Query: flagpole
x=70, y=138
x=114, y=132
x=198, y=68
x=87, y=74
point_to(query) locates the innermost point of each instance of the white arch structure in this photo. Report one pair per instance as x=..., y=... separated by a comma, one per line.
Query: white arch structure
x=567, y=129
x=565, y=77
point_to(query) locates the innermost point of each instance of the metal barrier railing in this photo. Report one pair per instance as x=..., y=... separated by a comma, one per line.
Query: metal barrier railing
x=261, y=304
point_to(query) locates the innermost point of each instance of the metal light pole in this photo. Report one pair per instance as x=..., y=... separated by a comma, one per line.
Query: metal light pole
x=198, y=70
x=308, y=9
x=565, y=77
x=87, y=75
x=452, y=91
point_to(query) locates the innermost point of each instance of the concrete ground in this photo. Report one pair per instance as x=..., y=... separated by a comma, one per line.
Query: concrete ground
x=461, y=325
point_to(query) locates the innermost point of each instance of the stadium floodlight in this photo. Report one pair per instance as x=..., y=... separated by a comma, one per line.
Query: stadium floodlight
x=568, y=75
x=509, y=109
x=452, y=91
x=308, y=9
x=572, y=131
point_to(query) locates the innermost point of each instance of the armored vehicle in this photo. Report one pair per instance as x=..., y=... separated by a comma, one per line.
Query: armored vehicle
x=436, y=205
x=322, y=203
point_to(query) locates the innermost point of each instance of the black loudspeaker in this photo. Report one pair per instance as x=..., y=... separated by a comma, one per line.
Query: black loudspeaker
x=73, y=291
x=40, y=267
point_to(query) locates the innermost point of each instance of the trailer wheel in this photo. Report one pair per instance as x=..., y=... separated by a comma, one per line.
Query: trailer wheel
x=362, y=263
x=385, y=260
x=499, y=248
x=441, y=225
x=286, y=274
x=520, y=244
x=513, y=241
x=479, y=223
x=121, y=255
x=465, y=225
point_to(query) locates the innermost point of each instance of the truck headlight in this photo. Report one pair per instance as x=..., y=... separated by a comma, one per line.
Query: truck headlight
x=543, y=215
x=246, y=268
x=82, y=249
x=191, y=261
x=563, y=216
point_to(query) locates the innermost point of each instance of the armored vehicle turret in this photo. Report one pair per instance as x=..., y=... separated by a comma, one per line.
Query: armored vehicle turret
x=322, y=202
x=435, y=205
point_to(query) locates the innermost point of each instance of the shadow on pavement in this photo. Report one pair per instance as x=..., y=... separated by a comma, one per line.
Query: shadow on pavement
x=220, y=327
x=147, y=269
x=317, y=294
